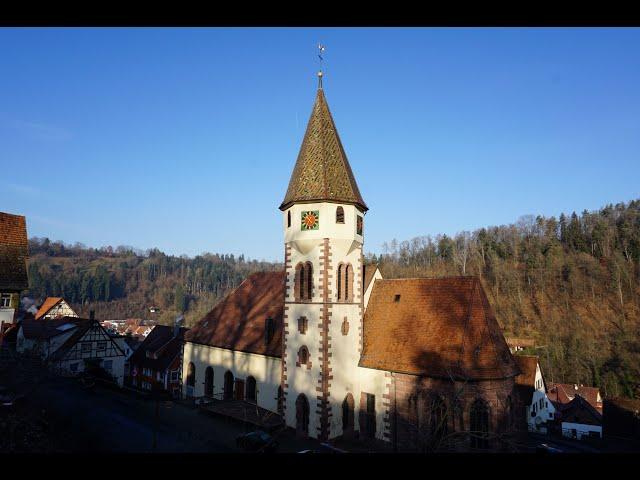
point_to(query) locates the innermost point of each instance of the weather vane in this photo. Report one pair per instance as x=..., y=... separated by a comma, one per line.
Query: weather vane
x=321, y=51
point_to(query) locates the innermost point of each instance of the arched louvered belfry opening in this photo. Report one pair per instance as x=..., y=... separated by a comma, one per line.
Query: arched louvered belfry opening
x=341, y=268
x=479, y=424
x=208, y=382
x=228, y=385
x=339, y=215
x=348, y=283
x=302, y=416
x=251, y=390
x=191, y=379
x=348, y=415
x=309, y=281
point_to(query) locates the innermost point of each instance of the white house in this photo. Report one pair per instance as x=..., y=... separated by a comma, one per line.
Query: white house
x=539, y=410
x=54, y=307
x=70, y=345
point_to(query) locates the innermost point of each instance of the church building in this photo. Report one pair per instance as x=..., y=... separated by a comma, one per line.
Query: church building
x=337, y=350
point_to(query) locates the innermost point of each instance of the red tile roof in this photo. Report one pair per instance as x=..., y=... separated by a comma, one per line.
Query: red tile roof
x=13, y=252
x=563, y=393
x=162, y=342
x=526, y=381
x=440, y=327
x=237, y=322
x=48, y=304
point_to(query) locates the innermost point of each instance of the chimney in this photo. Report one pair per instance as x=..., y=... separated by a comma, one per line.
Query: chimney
x=92, y=314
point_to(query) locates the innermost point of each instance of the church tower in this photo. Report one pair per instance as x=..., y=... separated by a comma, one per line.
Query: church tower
x=323, y=221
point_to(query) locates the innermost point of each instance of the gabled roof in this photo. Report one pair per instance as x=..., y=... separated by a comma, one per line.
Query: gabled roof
x=48, y=304
x=439, y=327
x=84, y=325
x=45, y=329
x=237, y=322
x=322, y=172
x=525, y=382
x=563, y=393
x=368, y=273
x=14, y=251
x=580, y=410
x=161, y=342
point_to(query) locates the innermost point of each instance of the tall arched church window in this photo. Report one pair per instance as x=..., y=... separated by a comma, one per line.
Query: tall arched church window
x=339, y=215
x=348, y=282
x=340, y=282
x=309, y=282
x=299, y=282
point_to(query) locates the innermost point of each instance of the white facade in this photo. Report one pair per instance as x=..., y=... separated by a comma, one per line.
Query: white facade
x=266, y=370
x=44, y=347
x=541, y=409
x=60, y=309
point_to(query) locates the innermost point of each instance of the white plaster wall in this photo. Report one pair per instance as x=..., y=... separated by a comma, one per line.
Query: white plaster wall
x=581, y=429
x=374, y=382
x=266, y=371
x=328, y=228
x=367, y=293
x=49, y=346
x=545, y=413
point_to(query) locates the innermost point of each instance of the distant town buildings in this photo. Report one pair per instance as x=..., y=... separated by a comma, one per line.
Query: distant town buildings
x=13, y=266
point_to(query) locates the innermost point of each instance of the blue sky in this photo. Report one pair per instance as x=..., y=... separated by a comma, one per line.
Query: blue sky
x=184, y=138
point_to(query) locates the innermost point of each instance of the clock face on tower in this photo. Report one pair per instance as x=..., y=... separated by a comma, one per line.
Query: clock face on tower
x=310, y=220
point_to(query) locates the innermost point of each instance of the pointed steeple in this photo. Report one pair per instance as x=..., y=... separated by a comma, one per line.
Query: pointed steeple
x=322, y=172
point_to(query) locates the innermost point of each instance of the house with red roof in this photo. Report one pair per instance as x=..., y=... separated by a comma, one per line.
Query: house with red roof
x=54, y=307
x=13, y=266
x=338, y=350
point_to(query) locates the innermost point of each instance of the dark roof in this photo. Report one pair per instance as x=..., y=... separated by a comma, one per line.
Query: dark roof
x=44, y=329
x=563, y=393
x=14, y=251
x=440, y=327
x=48, y=304
x=237, y=322
x=322, y=171
x=162, y=343
x=580, y=410
x=83, y=327
x=525, y=382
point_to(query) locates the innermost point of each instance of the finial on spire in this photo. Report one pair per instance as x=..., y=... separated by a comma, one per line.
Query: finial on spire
x=321, y=50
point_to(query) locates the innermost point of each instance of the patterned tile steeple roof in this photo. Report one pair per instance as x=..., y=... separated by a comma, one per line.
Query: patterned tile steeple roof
x=322, y=172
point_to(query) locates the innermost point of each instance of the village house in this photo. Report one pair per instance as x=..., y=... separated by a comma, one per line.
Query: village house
x=14, y=250
x=71, y=346
x=579, y=409
x=538, y=410
x=337, y=349
x=621, y=422
x=54, y=307
x=156, y=363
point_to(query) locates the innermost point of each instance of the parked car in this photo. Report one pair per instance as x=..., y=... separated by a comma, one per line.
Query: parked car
x=257, y=441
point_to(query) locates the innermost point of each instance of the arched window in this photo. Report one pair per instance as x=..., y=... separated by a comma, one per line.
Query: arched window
x=191, y=375
x=251, y=390
x=302, y=415
x=303, y=357
x=208, y=382
x=438, y=421
x=268, y=330
x=339, y=215
x=309, y=282
x=288, y=218
x=299, y=282
x=479, y=424
x=348, y=283
x=340, y=281
x=228, y=385
x=348, y=405
x=303, y=324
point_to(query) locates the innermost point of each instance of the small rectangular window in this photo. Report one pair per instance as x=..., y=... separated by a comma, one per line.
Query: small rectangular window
x=86, y=347
x=5, y=300
x=396, y=298
x=101, y=346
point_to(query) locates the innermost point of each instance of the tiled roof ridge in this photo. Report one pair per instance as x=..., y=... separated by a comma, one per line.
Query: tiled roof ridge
x=456, y=277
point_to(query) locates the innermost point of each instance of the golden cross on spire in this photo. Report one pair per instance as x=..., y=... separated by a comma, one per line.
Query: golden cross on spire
x=321, y=51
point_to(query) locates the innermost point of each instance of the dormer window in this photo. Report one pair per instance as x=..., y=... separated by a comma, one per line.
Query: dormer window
x=268, y=330
x=339, y=215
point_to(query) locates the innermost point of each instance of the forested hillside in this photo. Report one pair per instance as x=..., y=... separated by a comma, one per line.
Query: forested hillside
x=571, y=283
x=124, y=282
